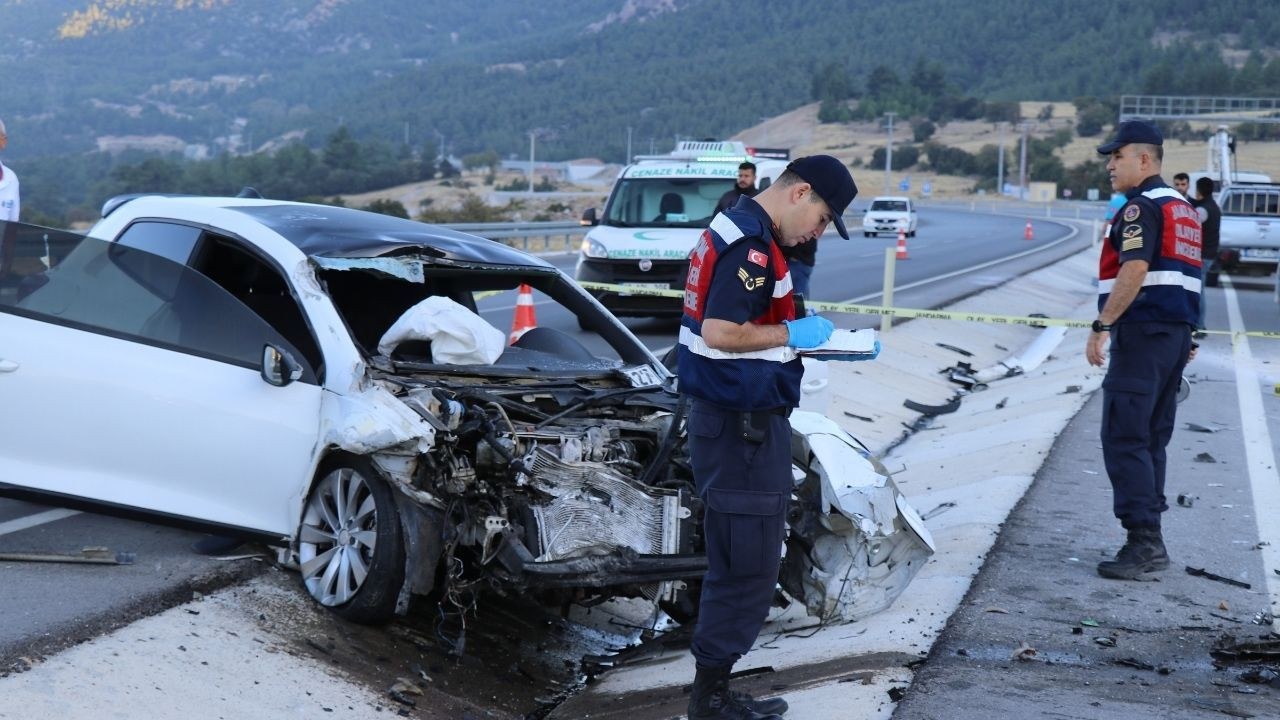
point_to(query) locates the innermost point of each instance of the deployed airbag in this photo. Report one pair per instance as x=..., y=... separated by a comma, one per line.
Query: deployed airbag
x=457, y=335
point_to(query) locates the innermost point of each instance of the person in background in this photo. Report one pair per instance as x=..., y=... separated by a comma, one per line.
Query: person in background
x=1210, y=222
x=10, y=207
x=10, y=204
x=1182, y=183
x=746, y=185
x=1113, y=206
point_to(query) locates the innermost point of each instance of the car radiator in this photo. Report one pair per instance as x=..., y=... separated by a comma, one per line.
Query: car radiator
x=595, y=509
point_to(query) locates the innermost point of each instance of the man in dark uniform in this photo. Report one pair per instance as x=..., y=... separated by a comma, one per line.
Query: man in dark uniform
x=1148, y=303
x=739, y=365
x=1210, y=223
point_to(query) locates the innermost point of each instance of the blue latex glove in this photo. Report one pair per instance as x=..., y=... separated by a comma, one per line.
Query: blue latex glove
x=852, y=357
x=809, y=332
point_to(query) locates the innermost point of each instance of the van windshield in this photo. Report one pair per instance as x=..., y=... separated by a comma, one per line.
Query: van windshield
x=665, y=202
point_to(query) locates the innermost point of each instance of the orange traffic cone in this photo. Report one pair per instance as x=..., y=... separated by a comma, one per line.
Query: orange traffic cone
x=902, y=244
x=524, y=320
x=1027, y=234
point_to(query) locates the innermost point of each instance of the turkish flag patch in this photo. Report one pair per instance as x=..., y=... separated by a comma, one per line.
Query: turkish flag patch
x=757, y=257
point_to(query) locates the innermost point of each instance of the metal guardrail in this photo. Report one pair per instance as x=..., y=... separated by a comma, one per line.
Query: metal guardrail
x=1206, y=108
x=553, y=236
x=565, y=235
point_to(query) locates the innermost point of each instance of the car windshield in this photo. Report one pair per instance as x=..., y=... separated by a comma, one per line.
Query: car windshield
x=889, y=205
x=373, y=294
x=665, y=202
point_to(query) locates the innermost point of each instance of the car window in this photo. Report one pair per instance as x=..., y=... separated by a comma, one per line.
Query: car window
x=1252, y=202
x=261, y=287
x=167, y=240
x=112, y=289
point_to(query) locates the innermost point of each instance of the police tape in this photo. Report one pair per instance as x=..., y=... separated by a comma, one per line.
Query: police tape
x=852, y=308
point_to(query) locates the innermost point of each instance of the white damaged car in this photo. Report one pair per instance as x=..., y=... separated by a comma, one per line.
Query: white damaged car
x=325, y=380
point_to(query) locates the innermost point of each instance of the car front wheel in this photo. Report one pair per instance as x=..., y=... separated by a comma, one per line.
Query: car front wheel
x=350, y=547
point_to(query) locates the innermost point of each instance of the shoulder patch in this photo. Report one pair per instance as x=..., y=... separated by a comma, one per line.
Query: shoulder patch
x=757, y=257
x=1131, y=231
x=1131, y=212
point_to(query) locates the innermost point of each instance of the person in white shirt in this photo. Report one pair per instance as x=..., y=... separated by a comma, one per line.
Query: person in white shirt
x=9, y=203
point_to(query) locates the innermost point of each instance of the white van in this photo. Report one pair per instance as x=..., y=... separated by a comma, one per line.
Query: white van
x=656, y=212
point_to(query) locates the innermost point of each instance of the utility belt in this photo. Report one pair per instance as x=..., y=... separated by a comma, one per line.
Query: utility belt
x=752, y=424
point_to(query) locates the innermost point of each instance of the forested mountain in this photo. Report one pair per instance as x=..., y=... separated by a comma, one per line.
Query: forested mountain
x=87, y=80
x=231, y=74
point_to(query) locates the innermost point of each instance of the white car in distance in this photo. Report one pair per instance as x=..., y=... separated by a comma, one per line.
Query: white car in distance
x=889, y=213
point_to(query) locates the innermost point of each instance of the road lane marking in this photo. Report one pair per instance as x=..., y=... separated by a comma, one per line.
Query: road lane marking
x=30, y=521
x=980, y=266
x=1260, y=457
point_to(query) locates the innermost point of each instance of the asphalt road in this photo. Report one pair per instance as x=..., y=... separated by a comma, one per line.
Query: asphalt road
x=45, y=606
x=1102, y=649
x=954, y=254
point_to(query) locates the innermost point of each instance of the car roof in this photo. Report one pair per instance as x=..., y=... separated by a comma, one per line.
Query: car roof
x=329, y=231
x=899, y=198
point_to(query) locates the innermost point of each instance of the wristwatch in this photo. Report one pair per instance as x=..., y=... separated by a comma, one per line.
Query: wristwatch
x=1098, y=327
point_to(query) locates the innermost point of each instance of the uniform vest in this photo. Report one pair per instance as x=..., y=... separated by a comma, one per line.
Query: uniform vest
x=1171, y=290
x=757, y=380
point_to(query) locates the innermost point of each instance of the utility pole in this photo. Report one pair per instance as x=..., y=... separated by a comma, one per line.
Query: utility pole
x=888, y=155
x=1022, y=163
x=1000, y=163
x=627, y=161
x=532, y=135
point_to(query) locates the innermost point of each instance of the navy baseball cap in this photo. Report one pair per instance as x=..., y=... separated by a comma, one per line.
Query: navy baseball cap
x=1132, y=131
x=832, y=182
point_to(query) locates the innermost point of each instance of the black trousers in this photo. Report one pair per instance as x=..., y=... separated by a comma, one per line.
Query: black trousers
x=745, y=484
x=1139, y=396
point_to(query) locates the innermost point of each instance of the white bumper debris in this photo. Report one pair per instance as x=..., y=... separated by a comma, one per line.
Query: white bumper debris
x=868, y=543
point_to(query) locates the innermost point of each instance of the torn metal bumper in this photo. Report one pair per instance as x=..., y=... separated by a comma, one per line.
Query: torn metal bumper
x=855, y=543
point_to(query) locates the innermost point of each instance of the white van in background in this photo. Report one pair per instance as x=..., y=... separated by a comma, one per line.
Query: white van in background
x=658, y=208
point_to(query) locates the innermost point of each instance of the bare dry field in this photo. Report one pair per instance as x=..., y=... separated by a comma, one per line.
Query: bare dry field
x=801, y=131
x=851, y=142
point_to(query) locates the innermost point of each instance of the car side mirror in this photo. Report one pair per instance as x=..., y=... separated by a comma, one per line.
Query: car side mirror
x=278, y=366
x=589, y=217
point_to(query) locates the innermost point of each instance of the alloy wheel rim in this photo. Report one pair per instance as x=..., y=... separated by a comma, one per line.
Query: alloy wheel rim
x=338, y=536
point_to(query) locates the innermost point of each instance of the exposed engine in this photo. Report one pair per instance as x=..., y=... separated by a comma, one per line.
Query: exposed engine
x=576, y=481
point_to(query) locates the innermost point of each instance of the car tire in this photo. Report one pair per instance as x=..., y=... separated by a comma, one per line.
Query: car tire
x=585, y=326
x=911, y=234
x=350, y=546
x=867, y=234
x=1211, y=279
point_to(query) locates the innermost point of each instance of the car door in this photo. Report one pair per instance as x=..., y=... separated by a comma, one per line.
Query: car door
x=133, y=382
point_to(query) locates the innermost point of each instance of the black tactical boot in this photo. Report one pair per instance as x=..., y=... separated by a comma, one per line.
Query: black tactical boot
x=1143, y=552
x=766, y=707
x=711, y=699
